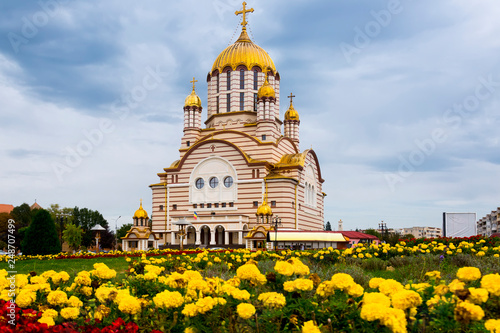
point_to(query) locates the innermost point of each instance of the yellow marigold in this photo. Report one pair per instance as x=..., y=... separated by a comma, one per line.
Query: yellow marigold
x=156, y=270
x=491, y=282
x=50, y=313
x=284, y=268
x=87, y=291
x=298, y=284
x=251, y=273
x=74, y=302
x=60, y=277
x=299, y=267
x=103, y=292
x=272, y=299
x=205, y=304
x=376, y=298
x=190, y=310
x=83, y=278
x=102, y=271
x=478, y=295
x=21, y=280
x=456, y=285
x=190, y=330
x=493, y=325
x=373, y=311
x=441, y=290
x=395, y=319
x=129, y=304
x=342, y=281
x=168, y=299
x=469, y=274
x=310, y=327
x=245, y=310
x=390, y=286
x=375, y=282
x=239, y=294
x=57, y=297
x=25, y=298
x=49, y=321
x=405, y=299
x=37, y=279
x=70, y=313
x=465, y=312
x=355, y=290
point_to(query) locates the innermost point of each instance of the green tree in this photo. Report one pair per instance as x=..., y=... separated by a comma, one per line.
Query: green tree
x=41, y=236
x=86, y=219
x=122, y=232
x=23, y=215
x=72, y=235
x=328, y=226
x=373, y=232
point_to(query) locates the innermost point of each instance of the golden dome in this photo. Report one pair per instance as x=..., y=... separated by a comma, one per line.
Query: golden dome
x=192, y=100
x=266, y=90
x=244, y=52
x=291, y=113
x=140, y=213
x=264, y=209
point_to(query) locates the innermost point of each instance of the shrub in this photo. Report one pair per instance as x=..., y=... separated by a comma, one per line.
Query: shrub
x=41, y=236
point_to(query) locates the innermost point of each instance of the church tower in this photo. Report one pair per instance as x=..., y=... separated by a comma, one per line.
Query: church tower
x=192, y=118
x=292, y=122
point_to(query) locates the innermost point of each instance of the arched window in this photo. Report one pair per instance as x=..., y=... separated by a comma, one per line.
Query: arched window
x=310, y=190
x=228, y=80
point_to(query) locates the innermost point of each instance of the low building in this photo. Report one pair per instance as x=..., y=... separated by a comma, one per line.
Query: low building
x=4, y=208
x=306, y=240
x=488, y=225
x=422, y=232
x=140, y=237
x=356, y=237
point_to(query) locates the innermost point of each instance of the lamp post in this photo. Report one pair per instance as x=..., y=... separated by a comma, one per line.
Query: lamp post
x=276, y=221
x=98, y=228
x=116, y=232
x=182, y=223
x=383, y=226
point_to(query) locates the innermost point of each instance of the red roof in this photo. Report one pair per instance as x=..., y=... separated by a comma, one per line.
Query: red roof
x=357, y=235
x=348, y=234
x=6, y=208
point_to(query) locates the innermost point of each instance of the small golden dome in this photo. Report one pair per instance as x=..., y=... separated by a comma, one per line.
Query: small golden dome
x=264, y=209
x=266, y=90
x=193, y=100
x=140, y=213
x=244, y=52
x=291, y=113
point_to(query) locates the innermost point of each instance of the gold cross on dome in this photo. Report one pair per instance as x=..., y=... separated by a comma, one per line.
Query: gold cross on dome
x=291, y=98
x=244, y=11
x=193, y=82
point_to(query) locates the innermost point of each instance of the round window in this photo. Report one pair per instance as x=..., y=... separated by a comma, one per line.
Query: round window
x=199, y=183
x=214, y=181
x=228, y=181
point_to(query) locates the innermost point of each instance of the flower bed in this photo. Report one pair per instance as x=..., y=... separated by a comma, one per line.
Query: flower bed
x=245, y=291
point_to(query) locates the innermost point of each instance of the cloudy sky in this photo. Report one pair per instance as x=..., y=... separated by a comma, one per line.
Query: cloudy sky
x=400, y=99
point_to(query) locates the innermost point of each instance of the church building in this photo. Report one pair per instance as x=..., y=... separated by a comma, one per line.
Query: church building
x=241, y=171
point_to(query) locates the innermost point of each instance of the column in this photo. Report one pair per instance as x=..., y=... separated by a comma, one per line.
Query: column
x=240, y=237
x=198, y=238
x=172, y=237
x=226, y=238
x=212, y=237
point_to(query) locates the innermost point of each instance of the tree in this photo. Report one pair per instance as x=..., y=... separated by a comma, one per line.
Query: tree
x=373, y=232
x=87, y=219
x=122, y=232
x=408, y=236
x=23, y=215
x=41, y=236
x=328, y=226
x=73, y=236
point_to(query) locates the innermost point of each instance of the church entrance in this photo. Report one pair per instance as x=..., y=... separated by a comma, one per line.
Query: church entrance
x=205, y=235
x=219, y=235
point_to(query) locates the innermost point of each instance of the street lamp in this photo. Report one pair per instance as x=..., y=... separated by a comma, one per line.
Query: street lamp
x=182, y=223
x=276, y=221
x=116, y=232
x=98, y=228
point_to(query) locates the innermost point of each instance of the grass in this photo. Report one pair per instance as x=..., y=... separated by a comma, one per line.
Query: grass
x=71, y=266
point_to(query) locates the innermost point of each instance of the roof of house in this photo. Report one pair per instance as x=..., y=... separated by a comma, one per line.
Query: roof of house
x=356, y=235
x=4, y=208
x=304, y=236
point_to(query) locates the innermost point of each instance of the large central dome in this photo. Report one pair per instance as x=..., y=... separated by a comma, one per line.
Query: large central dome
x=244, y=52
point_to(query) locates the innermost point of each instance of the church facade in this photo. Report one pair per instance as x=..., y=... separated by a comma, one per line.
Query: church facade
x=241, y=170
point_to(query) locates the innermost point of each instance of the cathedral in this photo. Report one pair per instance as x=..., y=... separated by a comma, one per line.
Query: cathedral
x=240, y=174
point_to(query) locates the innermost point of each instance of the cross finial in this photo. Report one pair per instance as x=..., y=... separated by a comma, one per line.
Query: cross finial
x=193, y=82
x=244, y=11
x=291, y=98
